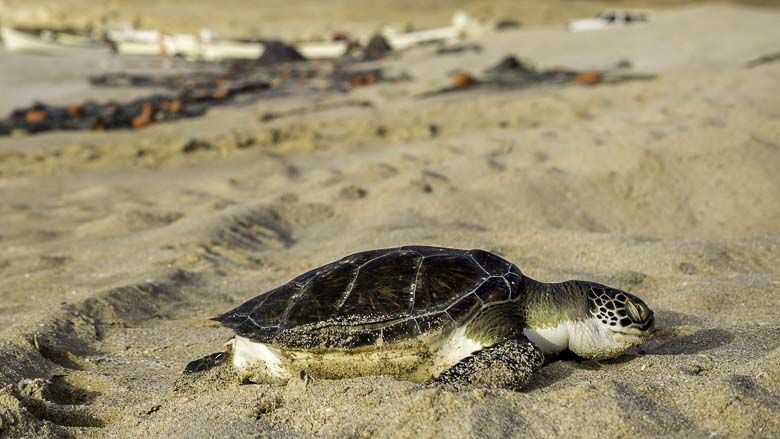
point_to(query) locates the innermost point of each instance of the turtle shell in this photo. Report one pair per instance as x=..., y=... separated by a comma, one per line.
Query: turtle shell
x=377, y=297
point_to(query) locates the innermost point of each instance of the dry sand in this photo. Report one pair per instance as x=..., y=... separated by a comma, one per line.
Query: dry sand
x=118, y=247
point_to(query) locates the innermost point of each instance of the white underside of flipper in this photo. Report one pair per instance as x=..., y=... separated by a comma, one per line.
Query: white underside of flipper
x=249, y=354
x=454, y=349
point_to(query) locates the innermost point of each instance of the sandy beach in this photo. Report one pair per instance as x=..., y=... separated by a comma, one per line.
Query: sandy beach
x=117, y=247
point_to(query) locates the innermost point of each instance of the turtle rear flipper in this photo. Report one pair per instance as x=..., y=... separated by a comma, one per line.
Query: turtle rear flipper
x=508, y=364
x=208, y=362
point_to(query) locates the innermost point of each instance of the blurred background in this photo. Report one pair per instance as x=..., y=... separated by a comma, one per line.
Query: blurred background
x=309, y=19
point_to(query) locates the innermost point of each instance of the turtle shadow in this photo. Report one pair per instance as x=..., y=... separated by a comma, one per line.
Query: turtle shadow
x=575, y=362
x=673, y=336
x=700, y=341
x=671, y=319
x=557, y=370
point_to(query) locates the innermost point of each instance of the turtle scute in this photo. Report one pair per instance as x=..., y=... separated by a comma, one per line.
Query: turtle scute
x=443, y=279
x=384, y=285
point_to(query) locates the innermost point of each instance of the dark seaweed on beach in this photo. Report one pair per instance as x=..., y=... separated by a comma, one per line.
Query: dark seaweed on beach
x=512, y=73
x=170, y=82
x=193, y=94
x=137, y=113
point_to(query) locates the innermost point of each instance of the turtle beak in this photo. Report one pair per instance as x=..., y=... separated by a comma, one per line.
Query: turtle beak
x=650, y=322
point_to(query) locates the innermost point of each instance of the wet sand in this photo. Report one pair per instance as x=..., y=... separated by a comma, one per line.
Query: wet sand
x=117, y=247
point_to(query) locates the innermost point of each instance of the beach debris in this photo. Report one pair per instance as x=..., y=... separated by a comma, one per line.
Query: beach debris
x=459, y=48
x=608, y=19
x=277, y=52
x=764, y=59
x=463, y=80
x=171, y=82
x=511, y=65
x=193, y=94
x=137, y=113
x=343, y=79
x=588, y=78
x=507, y=24
x=512, y=73
x=267, y=117
x=377, y=48
x=211, y=79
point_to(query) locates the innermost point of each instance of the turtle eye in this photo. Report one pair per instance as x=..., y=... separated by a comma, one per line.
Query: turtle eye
x=638, y=312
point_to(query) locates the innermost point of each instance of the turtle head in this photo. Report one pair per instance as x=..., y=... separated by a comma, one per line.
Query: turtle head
x=616, y=321
x=592, y=320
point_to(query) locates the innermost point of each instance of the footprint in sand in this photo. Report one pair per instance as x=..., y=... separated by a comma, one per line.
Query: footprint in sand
x=352, y=192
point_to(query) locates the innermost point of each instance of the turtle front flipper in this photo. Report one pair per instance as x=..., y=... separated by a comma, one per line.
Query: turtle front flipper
x=508, y=364
x=208, y=362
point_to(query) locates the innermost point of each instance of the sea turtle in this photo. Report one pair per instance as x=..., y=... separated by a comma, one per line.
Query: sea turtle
x=426, y=314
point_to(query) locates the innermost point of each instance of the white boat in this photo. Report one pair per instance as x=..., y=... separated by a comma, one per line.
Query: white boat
x=46, y=42
x=322, y=49
x=166, y=45
x=184, y=45
x=463, y=25
x=127, y=33
x=140, y=48
x=227, y=49
x=204, y=47
x=405, y=40
x=610, y=19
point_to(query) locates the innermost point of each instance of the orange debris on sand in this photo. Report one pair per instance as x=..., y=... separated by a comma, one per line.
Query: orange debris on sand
x=35, y=116
x=173, y=106
x=360, y=80
x=145, y=118
x=75, y=110
x=588, y=78
x=222, y=93
x=176, y=106
x=463, y=80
